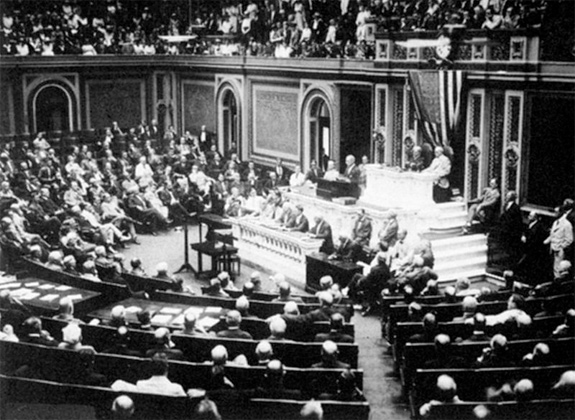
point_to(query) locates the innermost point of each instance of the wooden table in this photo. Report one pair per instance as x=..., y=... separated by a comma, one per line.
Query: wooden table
x=214, y=249
x=44, y=296
x=318, y=265
x=164, y=314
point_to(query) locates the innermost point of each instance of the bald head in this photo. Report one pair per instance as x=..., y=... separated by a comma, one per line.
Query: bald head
x=233, y=319
x=325, y=299
x=219, y=355
x=498, y=342
x=336, y=321
x=284, y=289
x=446, y=387
x=190, y=321
x=325, y=282
x=123, y=407
x=291, y=308
x=242, y=304
x=162, y=268
x=469, y=304
x=264, y=350
x=118, y=312
x=66, y=306
x=523, y=390
x=278, y=327
x=329, y=348
x=312, y=410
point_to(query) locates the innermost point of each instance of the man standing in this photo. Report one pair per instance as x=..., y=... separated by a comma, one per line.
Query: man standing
x=511, y=227
x=352, y=171
x=322, y=230
x=534, y=264
x=441, y=167
x=560, y=238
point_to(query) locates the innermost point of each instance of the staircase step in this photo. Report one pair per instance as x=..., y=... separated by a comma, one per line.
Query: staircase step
x=458, y=252
x=449, y=276
x=461, y=263
x=458, y=241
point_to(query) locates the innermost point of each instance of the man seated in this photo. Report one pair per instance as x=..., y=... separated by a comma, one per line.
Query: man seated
x=264, y=353
x=329, y=357
x=297, y=222
x=285, y=294
x=367, y=289
x=540, y=356
x=66, y=311
x=446, y=390
x=34, y=334
x=123, y=407
x=478, y=334
x=485, y=208
x=278, y=329
x=233, y=321
x=469, y=307
x=515, y=305
x=430, y=330
x=331, y=174
x=55, y=261
x=567, y=329
x=191, y=327
x=335, y=333
x=272, y=385
x=158, y=383
x=117, y=317
x=361, y=233
x=164, y=345
x=137, y=269
x=444, y=356
x=215, y=289
x=416, y=275
x=496, y=355
x=72, y=339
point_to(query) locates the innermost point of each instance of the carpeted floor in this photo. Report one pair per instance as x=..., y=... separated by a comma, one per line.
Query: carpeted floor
x=382, y=388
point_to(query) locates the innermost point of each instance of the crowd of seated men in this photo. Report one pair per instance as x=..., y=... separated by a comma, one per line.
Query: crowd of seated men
x=497, y=331
x=252, y=27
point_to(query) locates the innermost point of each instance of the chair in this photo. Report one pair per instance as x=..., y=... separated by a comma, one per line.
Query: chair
x=233, y=261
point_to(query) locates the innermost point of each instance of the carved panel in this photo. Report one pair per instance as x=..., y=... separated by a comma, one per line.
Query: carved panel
x=513, y=135
x=399, y=53
x=275, y=121
x=496, y=118
x=474, y=144
x=397, y=127
x=6, y=124
x=199, y=107
x=121, y=101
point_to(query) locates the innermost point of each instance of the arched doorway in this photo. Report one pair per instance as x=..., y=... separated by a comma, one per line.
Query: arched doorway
x=230, y=121
x=320, y=132
x=52, y=109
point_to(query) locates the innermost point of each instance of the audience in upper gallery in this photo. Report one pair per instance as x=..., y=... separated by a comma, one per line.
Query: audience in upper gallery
x=253, y=28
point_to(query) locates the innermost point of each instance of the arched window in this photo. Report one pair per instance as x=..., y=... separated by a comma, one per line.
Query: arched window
x=52, y=110
x=230, y=121
x=319, y=132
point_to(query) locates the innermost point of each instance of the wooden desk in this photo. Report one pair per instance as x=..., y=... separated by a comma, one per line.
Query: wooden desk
x=214, y=249
x=213, y=222
x=333, y=189
x=164, y=314
x=318, y=265
x=44, y=296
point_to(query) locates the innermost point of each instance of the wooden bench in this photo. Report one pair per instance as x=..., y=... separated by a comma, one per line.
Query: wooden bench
x=416, y=354
x=471, y=383
x=197, y=349
x=54, y=364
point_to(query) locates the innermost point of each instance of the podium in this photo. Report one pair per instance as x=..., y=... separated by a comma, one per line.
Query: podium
x=391, y=187
x=333, y=189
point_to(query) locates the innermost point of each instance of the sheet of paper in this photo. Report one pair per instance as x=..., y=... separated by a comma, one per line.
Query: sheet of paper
x=212, y=310
x=10, y=285
x=20, y=292
x=33, y=284
x=30, y=296
x=195, y=311
x=161, y=319
x=179, y=320
x=208, y=322
x=75, y=297
x=168, y=310
x=63, y=288
x=133, y=309
x=46, y=286
x=49, y=298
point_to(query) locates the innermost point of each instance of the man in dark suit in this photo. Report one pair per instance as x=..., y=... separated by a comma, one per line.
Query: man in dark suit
x=335, y=334
x=163, y=344
x=34, y=334
x=534, y=266
x=142, y=212
x=233, y=321
x=361, y=233
x=352, y=171
x=322, y=230
x=329, y=354
x=314, y=173
x=511, y=228
x=298, y=222
x=367, y=289
x=281, y=172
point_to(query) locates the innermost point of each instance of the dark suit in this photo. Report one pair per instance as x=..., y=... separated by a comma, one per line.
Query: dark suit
x=362, y=231
x=235, y=333
x=323, y=231
x=534, y=266
x=335, y=336
x=298, y=223
x=314, y=174
x=352, y=173
x=510, y=230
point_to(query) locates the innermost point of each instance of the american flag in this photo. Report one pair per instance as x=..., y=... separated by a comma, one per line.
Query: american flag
x=437, y=95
